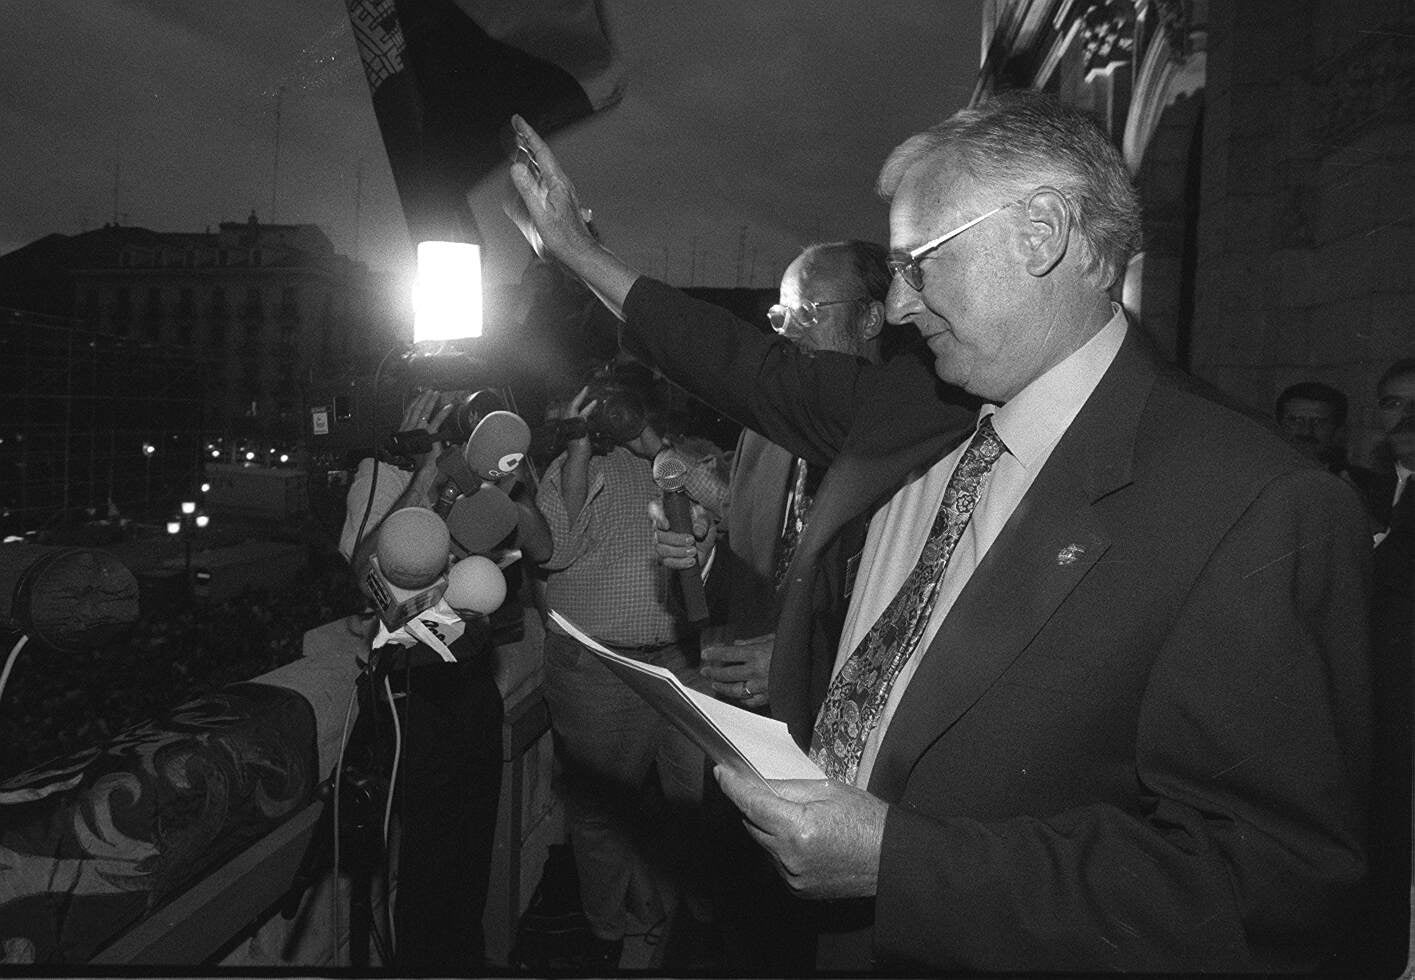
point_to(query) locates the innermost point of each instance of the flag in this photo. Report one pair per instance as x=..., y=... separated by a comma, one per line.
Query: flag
x=445, y=77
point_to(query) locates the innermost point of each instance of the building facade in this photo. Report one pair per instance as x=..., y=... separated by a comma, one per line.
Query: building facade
x=193, y=340
x=1272, y=143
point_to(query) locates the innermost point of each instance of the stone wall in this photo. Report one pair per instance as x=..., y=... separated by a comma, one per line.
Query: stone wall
x=1304, y=263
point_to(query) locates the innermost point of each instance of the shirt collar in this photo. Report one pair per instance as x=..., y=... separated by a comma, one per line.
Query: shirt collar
x=1034, y=419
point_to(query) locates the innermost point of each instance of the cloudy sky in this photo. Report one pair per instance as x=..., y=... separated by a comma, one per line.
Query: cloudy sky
x=746, y=128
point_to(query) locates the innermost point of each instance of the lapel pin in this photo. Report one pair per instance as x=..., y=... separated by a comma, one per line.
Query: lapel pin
x=1070, y=554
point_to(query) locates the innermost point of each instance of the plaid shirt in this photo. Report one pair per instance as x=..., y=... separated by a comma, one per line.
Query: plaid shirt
x=604, y=574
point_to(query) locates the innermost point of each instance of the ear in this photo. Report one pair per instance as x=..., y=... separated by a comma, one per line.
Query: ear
x=873, y=321
x=1048, y=234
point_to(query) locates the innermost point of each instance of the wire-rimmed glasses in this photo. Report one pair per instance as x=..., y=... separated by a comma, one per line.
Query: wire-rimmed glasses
x=906, y=266
x=807, y=314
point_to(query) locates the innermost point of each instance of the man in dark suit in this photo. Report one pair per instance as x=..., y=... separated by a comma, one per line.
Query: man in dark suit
x=831, y=299
x=1390, y=500
x=1101, y=702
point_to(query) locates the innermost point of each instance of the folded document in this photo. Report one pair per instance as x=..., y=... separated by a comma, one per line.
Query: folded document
x=741, y=740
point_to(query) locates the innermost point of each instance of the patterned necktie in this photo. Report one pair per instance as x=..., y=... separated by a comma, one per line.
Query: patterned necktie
x=856, y=695
x=797, y=505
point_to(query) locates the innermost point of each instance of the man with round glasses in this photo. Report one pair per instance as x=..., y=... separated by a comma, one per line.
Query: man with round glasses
x=1102, y=698
x=831, y=300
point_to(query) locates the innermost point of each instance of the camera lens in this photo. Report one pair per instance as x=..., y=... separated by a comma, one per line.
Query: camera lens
x=468, y=408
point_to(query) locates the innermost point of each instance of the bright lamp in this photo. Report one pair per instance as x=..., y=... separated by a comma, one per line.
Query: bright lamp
x=447, y=300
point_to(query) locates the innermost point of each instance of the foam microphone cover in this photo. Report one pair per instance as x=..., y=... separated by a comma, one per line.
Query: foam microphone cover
x=475, y=584
x=480, y=522
x=497, y=445
x=413, y=544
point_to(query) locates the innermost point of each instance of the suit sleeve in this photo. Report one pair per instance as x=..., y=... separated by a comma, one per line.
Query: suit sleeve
x=1245, y=840
x=804, y=402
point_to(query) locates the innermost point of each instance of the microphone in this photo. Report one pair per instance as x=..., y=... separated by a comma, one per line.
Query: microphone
x=670, y=473
x=481, y=521
x=497, y=445
x=475, y=585
x=460, y=479
x=493, y=450
x=407, y=570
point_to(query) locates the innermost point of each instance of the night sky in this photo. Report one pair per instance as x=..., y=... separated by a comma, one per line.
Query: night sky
x=743, y=132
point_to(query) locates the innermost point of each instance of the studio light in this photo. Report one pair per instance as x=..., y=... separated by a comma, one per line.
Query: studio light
x=447, y=317
x=447, y=300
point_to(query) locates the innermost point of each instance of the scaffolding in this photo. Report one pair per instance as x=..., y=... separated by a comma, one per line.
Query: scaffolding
x=93, y=425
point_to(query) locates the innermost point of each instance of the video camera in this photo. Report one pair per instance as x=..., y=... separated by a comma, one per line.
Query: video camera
x=622, y=401
x=468, y=408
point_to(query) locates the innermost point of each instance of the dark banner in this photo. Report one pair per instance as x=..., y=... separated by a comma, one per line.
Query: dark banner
x=446, y=76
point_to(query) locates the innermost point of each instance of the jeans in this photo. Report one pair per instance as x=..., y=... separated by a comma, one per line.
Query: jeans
x=610, y=741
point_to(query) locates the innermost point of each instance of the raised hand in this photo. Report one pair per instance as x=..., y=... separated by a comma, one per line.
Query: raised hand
x=546, y=209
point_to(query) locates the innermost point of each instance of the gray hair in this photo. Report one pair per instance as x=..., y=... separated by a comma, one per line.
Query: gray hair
x=1018, y=140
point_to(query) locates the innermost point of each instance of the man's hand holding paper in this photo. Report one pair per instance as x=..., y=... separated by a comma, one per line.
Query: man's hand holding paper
x=823, y=836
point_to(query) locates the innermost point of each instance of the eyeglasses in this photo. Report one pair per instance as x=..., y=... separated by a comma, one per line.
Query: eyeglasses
x=905, y=265
x=807, y=314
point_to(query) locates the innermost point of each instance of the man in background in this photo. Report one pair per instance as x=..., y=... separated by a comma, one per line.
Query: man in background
x=1312, y=416
x=604, y=577
x=831, y=302
x=1390, y=500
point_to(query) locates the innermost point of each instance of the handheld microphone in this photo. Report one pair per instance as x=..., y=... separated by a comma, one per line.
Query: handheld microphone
x=476, y=585
x=480, y=522
x=497, y=445
x=407, y=570
x=460, y=479
x=670, y=473
x=493, y=450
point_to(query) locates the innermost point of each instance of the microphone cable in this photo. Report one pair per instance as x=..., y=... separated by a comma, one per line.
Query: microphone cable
x=373, y=441
x=338, y=772
x=388, y=803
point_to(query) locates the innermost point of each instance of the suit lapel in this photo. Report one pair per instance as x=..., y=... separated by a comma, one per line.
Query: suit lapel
x=1050, y=542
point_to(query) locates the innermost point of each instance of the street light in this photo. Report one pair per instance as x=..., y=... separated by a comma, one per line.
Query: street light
x=186, y=524
x=147, y=450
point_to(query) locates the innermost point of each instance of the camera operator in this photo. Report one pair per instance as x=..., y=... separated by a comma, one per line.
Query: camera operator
x=604, y=576
x=449, y=773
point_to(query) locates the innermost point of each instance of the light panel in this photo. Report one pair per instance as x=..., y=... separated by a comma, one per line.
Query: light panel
x=447, y=296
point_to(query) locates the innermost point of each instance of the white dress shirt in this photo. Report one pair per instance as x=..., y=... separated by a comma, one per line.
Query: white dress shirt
x=1030, y=425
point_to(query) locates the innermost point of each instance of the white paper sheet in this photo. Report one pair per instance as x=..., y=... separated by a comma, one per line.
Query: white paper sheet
x=731, y=736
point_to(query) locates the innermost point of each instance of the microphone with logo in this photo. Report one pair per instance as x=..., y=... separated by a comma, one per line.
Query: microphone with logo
x=408, y=571
x=671, y=473
x=493, y=450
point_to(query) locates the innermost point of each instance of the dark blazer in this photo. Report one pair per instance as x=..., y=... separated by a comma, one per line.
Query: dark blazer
x=741, y=586
x=1140, y=740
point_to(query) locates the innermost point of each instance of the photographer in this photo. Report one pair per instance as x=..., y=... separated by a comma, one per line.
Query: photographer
x=604, y=576
x=449, y=773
